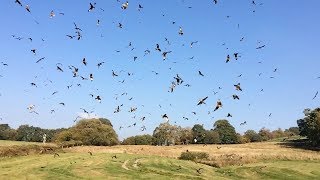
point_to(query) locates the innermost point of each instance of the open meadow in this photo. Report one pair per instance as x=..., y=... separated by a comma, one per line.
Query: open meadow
x=268, y=160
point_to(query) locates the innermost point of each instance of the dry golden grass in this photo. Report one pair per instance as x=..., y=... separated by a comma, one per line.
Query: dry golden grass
x=236, y=154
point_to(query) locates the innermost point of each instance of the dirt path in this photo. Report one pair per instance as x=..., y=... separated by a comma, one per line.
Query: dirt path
x=124, y=165
x=135, y=164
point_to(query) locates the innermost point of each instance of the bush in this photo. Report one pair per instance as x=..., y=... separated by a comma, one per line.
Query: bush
x=24, y=150
x=193, y=156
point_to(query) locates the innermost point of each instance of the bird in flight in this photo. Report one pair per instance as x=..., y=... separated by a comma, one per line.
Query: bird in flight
x=238, y=88
x=219, y=105
x=92, y=7
x=158, y=47
x=315, y=95
x=84, y=61
x=200, y=73
x=180, y=31
x=58, y=67
x=228, y=58
x=18, y=2
x=235, y=97
x=243, y=123
x=28, y=8
x=125, y=5
x=164, y=54
x=202, y=101
x=52, y=14
x=100, y=64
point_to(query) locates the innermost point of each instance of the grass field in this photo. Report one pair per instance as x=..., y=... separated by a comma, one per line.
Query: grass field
x=12, y=143
x=266, y=161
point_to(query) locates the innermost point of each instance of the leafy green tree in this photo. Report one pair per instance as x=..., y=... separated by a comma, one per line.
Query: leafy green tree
x=29, y=133
x=166, y=134
x=90, y=132
x=186, y=135
x=278, y=133
x=199, y=133
x=212, y=137
x=6, y=133
x=265, y=134
x=139, y=140
x=292, y=131
x=310, y=126
x=226, y=132
x=252, y=136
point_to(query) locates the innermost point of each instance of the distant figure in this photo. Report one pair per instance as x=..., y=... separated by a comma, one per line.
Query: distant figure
x=44, y=138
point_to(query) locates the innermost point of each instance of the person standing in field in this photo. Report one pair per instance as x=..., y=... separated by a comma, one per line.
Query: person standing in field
x=44, y=138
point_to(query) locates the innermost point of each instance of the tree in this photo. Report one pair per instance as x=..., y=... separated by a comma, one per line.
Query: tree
x=186, y=135
x=166, y=134
x=95, y=132
x=278, y=133
x=292, y=131
x=252, y=136
x=211, y=137
x=310, y=126
x=265, y=134
x=199, y=133
x=139, y=140
x=29, y=133
x=6, y=133
x=226, y=132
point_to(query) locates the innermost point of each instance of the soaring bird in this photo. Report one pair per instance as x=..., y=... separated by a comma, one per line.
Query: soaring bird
x=158, y=47
x=33, y=51
x=165, y=116
x=202, y=101
x=28, y=8
x=243, y=123
x=98, y=98
x=194, y=42
x=17, y=1
x=236, y=55
x=219, y=105
x=180, y=31
x=40, y=59
x=100, y=64
x=92, y=7
x=235, y=97
x=114, y=74
x=58, y=67
x=315, y=95
x=125, y=5
x=52, y=14
x=238, y=88
x=200, y=73
x=228, y=58
x=164, y=54
x=84, y=61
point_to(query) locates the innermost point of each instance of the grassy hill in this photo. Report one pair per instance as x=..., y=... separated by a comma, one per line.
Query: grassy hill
x=258, y=161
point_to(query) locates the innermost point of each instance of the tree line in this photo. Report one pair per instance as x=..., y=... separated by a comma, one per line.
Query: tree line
x=100, y=132
x=222, y=133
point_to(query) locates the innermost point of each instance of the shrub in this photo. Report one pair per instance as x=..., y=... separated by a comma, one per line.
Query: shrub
x=193, y=156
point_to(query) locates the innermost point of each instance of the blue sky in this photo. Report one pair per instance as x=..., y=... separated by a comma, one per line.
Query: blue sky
x=289, y=29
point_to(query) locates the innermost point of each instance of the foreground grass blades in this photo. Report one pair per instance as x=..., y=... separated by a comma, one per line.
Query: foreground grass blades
x=126, y=166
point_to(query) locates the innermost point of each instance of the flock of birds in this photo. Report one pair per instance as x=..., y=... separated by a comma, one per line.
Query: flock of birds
x=177, y=81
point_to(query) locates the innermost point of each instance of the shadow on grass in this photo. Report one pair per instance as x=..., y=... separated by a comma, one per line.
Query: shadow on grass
x=300, y=144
